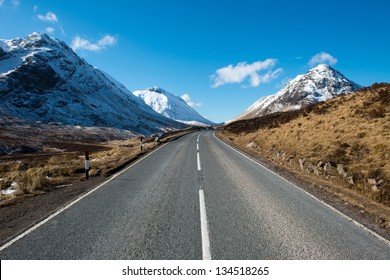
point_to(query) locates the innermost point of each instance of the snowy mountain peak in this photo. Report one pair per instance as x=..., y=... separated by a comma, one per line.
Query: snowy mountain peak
x=318, y=84
x=34, y=40
x=43, y=79
x=171, y=106
x=322, y=68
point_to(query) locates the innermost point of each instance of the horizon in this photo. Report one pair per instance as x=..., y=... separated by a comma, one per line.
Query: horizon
x=223, y=57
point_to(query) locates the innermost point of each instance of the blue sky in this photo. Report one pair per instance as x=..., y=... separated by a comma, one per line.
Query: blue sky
x=224, y=54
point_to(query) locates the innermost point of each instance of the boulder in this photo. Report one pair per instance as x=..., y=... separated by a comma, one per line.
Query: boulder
x=252, y=146
x=327, y=167
x=341, y=170
x=301, y=162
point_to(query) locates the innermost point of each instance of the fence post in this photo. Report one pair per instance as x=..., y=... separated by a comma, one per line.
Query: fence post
x=86, y=165
x=141, y=142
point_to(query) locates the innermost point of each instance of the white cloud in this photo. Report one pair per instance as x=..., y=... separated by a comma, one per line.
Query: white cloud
x=79, y=43
x=14, y=3
x=50, y=30
x=242, y=71
x=83, y=44
x=35, y=8
x=186, y=97
x=50, y=16
x=322, y=57
x=107, y=40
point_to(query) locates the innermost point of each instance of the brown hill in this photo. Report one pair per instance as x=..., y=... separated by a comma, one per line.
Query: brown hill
x=344, y=141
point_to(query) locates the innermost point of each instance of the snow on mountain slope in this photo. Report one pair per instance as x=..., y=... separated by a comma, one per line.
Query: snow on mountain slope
x=42, y=79
x=171, y=106
x=318, y=84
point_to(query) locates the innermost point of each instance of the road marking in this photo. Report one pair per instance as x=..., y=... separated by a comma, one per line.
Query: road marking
x=309, y=194
x=204, y=227
x=9, y=243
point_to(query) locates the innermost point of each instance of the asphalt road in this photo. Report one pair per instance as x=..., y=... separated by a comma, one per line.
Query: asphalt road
x=196, y=198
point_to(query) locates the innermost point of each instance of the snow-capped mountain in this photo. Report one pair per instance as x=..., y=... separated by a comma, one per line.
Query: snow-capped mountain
x=171, y=106
x=318, y=84
x=42, y=79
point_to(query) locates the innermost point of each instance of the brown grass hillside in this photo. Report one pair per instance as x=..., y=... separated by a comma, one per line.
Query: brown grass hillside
x=345, y=140
x=40, y=173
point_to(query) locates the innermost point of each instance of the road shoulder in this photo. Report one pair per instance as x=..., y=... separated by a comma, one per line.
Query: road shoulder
x=358, y=208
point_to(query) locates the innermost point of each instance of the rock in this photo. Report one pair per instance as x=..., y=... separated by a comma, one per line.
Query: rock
x=350, y=180
x=252, y=146
x=310, y=168
x=317, y=171
x=320, y=164
x=374, y=182
x=341, y=171
x=375, y=189
x=327, y=167
x=301, y=162
x=371, y=181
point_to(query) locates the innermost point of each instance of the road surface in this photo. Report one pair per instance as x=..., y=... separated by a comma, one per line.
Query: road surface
x=197, y=198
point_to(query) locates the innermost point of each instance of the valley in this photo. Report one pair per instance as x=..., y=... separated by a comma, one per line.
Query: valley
x=301, y=174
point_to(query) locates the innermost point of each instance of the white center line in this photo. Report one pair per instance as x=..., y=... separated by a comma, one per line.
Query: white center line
x=197, y=147
x=204, y=228
x=198, y=160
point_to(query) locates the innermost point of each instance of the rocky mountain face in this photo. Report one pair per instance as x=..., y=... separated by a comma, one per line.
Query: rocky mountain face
x=42, y=79
x=171, y=106
x=318, y=84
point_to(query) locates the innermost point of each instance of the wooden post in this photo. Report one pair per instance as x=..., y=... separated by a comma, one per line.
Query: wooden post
x=86, y=165
x=141, y=143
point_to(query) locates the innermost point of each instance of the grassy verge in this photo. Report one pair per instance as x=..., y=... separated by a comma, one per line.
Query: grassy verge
x=40, y=174
x=342, y=145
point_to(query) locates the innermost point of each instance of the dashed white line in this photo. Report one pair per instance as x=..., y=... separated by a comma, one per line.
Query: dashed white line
x=198, y=161
x=204, y=228
x=206, y=254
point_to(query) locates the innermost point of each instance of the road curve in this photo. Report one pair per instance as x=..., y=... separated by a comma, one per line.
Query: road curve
x=196, y=198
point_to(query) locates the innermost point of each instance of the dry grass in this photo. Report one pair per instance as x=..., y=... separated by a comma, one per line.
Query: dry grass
x=351, y=130
x=46, y=173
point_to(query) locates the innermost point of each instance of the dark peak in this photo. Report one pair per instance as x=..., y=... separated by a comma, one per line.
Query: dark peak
x=156, y=89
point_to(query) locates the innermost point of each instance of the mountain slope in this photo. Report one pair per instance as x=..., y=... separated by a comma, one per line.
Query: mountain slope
x=318, y=84
x=42, y=79
x=171, y=106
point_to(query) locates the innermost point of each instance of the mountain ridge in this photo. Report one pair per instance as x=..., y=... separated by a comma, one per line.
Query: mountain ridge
x=318, y=84
x=43, y=79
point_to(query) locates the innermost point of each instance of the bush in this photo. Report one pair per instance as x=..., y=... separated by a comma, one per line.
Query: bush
x=32, y=181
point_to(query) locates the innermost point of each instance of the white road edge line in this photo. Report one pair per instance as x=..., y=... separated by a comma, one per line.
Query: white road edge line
x=9, y=243
x=197, y=147
x=309, y=194
x=204, y=228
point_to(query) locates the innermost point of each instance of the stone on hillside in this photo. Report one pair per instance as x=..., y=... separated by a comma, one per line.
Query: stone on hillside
x=341, y=170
